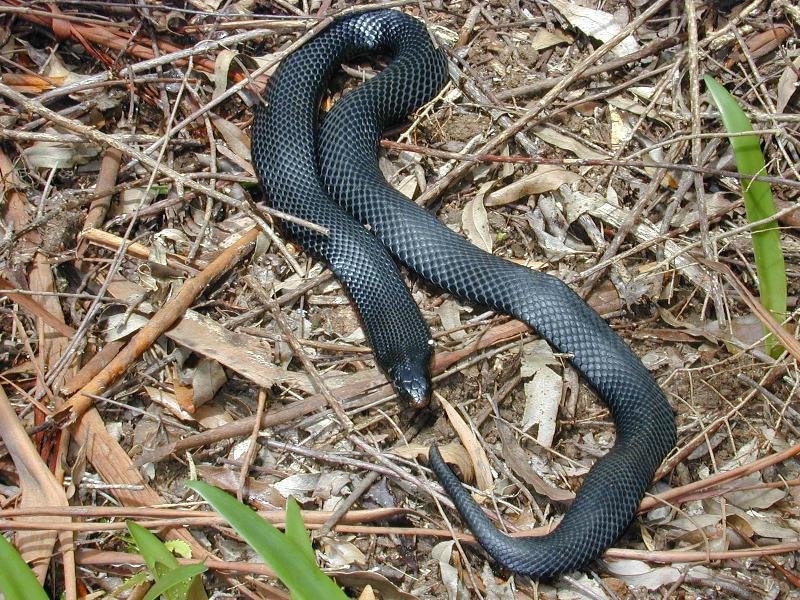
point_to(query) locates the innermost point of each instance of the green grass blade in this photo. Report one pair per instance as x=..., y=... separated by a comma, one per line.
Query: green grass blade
x=289, y=560
x=17, y=581
x=152, y=549
x=296, y=530
x=182, y=576
x=759, y=205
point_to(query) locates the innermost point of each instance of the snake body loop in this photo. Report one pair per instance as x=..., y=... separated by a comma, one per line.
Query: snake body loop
x=331, y=177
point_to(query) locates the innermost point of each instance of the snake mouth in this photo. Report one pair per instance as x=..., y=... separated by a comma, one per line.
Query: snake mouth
x=412, y=382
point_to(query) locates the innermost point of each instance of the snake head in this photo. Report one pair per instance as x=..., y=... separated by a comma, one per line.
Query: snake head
x=412, y=382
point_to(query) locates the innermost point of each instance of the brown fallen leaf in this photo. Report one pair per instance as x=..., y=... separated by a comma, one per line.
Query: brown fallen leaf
x=514, y=456
x=761, y=44
x=39, y=488
x=453, y=454
x=480, y=462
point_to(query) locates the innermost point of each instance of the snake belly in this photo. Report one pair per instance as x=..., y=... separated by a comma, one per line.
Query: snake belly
x=344, y=156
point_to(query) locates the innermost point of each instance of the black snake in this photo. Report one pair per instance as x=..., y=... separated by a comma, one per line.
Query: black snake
x=328, y=174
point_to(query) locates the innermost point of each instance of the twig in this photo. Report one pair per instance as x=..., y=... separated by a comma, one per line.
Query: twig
x=161, y=321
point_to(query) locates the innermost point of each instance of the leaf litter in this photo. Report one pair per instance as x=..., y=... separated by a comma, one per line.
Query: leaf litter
x=594, y=192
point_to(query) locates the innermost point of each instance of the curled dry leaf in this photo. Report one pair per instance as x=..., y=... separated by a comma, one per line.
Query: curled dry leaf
x=516, y=459
x=453, y=454
x=597, y=24
x=545, y=178
x=169, y=401
x=59, y=155
x=565, y=142
x=638, y=573
x=236, y=139
x=342, y=554
x=543, y=38
x=449, y=312
x=442, y=553
x=761, y=44
x=542, y=392
x=475, y=221
x=480, y=462
x=787, y=85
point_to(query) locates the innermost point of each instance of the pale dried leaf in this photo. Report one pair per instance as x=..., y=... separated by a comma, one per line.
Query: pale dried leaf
x=545, y=178
x=408, y=186
x=238, y=141
x=565, y=142
x=542, y=397
x=449, y=312
x=475, y=222
x=637, y=573
x=168, y=401
x=787, y=85
x=367, y=594
x=121, y=325
x=480, y=462
x=621, y=131
x=59, y=155
x=517, y=460
x=207, y=379
x=300, y=486
x=453, y=454
x=340, y=553
x=359, y=579
x=597, y=24
x=543, y=38
x=222, y=64
x=456, y=590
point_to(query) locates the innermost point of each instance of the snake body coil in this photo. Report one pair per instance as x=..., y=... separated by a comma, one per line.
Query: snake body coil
x=328, y=175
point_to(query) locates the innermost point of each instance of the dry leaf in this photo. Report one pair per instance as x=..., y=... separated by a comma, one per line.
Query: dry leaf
x=637, y=573
x=452, y=454
x=373, y=581
x=787, y=85
x=597, y=24
x=559, y=140
x=480, y=462
x=237, y=140
x=546, y=39
x=542, y=392
x=545, y=178
x=342, y=554
x=475, y=222
x=761, y=43
x=59, y=155
x=168, y=401
x=442, y=553
x=367, y=594
x=449, y=312
x=516, y=459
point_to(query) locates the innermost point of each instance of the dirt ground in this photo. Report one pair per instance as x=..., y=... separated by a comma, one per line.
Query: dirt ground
x=147, y=326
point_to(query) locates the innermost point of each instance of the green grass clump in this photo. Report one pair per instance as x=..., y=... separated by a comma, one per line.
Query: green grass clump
x=171, y=580
x=289, y=554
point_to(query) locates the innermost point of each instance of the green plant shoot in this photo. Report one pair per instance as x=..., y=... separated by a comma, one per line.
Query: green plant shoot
x=290, y=555
x=759, y=205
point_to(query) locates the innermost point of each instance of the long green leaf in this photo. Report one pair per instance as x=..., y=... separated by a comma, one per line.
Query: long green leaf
x=288, y=559
x=296, y=530
x=162, y=564
x=152, y=549
x=759, y=205
x=182, y=576
x=17, y=581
